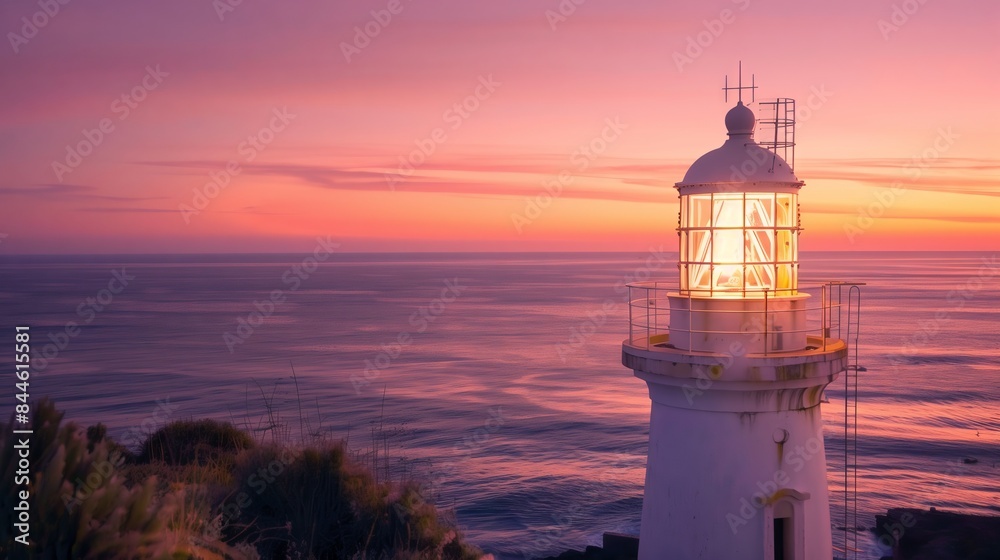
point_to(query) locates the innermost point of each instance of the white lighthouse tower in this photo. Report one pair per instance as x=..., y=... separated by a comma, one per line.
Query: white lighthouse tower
x=736, y=356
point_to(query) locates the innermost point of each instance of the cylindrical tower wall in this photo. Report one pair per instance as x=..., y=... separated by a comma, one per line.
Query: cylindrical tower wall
x=717, y=481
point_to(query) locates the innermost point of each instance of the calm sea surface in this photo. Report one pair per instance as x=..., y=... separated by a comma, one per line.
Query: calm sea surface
x=496, y=377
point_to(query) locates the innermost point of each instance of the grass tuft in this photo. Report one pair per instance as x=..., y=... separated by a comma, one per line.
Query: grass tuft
x=200, y=442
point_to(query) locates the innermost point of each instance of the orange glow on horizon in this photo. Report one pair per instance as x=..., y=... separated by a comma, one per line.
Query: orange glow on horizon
x=574, y=145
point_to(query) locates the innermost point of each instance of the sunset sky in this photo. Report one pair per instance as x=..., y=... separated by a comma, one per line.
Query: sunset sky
x=313, y=112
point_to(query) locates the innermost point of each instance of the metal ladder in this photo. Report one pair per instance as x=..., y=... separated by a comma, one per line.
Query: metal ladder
x=848, y=332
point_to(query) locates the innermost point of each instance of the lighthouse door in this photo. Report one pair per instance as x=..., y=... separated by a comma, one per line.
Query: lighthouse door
x=782, y=534
x=784, y=541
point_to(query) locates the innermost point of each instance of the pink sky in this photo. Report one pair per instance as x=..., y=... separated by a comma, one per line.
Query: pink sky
x=871, y=99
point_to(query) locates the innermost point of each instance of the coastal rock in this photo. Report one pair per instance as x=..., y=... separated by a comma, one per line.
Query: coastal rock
x=938, y=535
x=617, y=546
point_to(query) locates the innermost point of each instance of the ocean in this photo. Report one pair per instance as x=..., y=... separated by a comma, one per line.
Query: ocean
x=497, y=378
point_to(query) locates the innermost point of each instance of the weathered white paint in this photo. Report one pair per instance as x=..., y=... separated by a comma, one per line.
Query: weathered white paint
x=721, y=443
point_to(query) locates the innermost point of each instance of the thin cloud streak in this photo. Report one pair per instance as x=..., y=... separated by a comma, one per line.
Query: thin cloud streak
x=652, y=178
x=48, y=191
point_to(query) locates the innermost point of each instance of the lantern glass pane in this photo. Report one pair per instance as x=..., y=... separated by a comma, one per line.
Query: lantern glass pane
x=786, y=210
x=701, y=214
x=738, y=243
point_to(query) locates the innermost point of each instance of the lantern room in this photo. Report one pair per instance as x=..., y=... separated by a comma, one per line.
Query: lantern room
x=738, y=230
x=739, y=218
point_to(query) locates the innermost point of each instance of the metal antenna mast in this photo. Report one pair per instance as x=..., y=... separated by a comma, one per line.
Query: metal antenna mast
x=741, y=87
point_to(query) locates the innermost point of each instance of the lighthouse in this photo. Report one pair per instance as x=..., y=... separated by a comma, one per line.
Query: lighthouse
x=736, y=356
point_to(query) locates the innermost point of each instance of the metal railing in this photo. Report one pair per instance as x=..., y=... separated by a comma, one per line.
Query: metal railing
x=649, y=312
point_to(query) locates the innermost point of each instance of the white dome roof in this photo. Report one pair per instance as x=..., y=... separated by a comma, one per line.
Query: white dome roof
x=739, y=159
x=740, y=120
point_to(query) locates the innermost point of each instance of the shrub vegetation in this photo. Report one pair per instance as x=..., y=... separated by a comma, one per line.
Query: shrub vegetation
x=206, y=490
